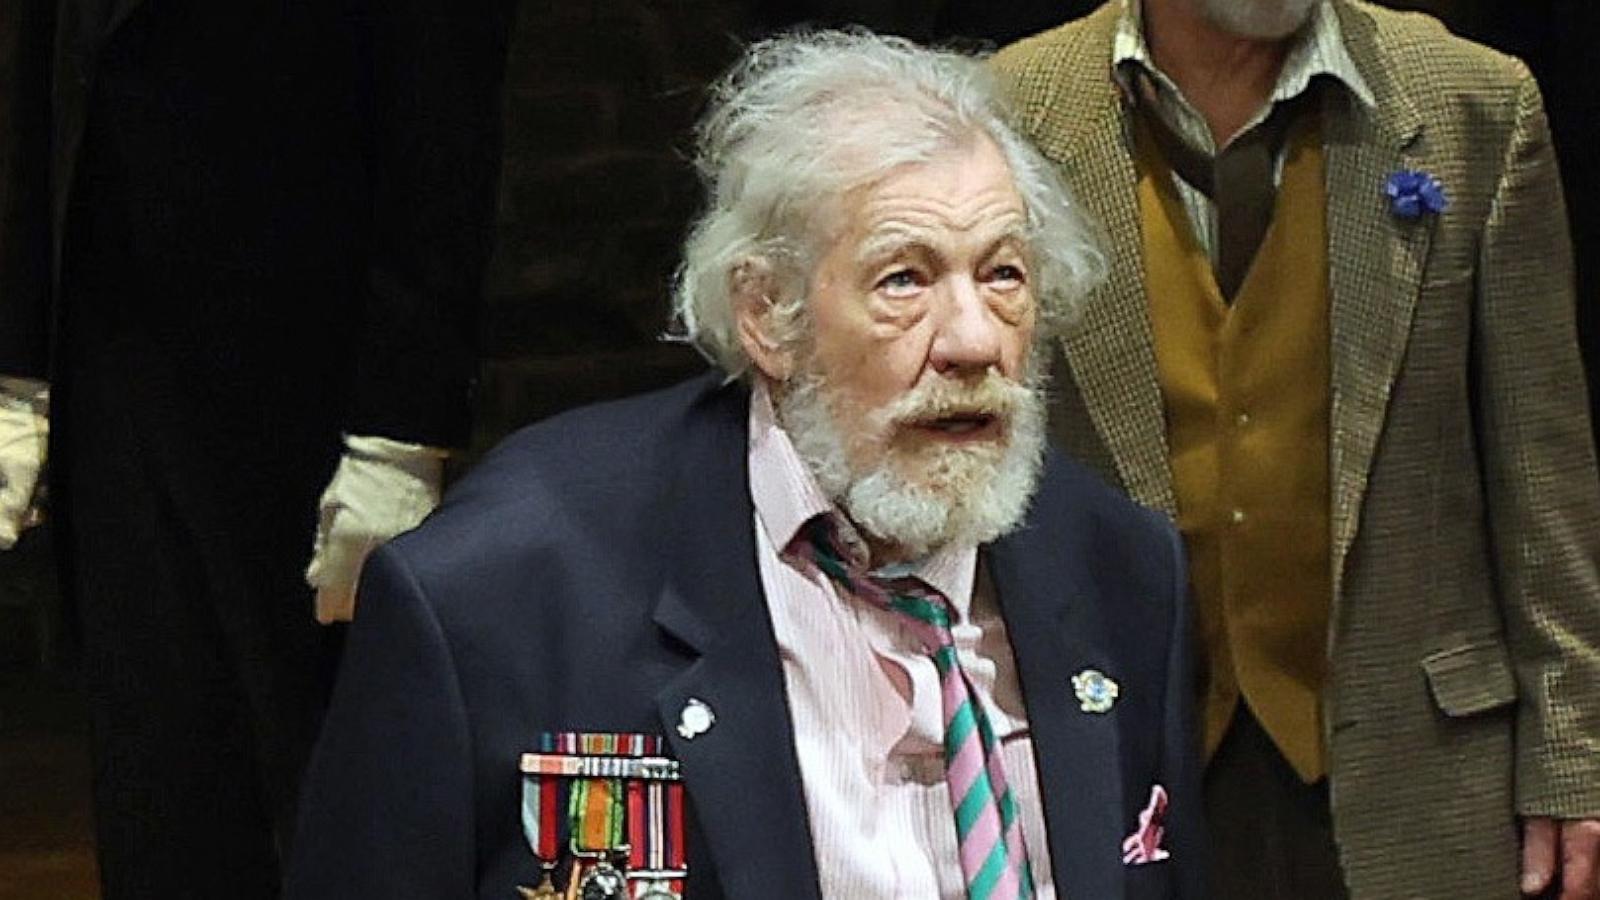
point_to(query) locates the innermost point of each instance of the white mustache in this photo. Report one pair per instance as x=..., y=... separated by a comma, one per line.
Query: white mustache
x=994, y=395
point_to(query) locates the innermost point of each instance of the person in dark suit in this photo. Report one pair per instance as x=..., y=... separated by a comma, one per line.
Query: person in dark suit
x=836, y=598
x=229, y=235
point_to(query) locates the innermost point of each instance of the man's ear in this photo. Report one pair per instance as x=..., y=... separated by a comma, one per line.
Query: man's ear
x=754, y=289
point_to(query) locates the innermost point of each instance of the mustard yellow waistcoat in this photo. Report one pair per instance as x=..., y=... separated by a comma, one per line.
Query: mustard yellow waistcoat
x=1247, y=392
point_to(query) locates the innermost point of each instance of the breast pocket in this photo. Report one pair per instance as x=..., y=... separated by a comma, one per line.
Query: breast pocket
x=1151, y=881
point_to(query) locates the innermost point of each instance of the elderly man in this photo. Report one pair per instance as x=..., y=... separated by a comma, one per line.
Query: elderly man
x=830, y=623
x=1337, y=346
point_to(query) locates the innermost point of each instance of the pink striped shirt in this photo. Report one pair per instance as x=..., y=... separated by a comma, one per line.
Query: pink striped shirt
x=866, y=704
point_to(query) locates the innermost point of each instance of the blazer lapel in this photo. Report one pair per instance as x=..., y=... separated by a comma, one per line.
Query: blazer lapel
x=1055, y=633
x=1375, y=266
x=742, y=775
x=1110, y=350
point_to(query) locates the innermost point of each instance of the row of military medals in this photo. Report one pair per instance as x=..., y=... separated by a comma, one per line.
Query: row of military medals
x=607, y=809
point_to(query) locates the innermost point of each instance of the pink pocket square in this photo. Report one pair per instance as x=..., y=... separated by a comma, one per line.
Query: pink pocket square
x=1144, y=845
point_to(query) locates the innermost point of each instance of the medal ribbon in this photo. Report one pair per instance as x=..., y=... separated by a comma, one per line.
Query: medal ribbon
x=655, y=832
x=596, y=812
x=563, y=810
x=544, y=799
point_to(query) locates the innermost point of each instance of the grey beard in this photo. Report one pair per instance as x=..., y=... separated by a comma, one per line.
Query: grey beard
x=1267, y=20
x=968, y=495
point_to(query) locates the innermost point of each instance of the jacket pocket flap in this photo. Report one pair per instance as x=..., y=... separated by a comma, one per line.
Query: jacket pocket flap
x=1471, y=678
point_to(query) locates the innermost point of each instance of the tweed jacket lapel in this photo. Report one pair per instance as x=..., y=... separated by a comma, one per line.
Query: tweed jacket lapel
x=1376, y=262
x=1375, y=266
x=1110, y=351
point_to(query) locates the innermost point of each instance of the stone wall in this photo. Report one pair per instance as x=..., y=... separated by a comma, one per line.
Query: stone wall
x=596, y=192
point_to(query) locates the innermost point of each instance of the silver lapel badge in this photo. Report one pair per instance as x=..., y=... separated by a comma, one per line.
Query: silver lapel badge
x=696, y=719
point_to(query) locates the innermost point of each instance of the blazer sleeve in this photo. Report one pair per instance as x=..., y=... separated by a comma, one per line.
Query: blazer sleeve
x=437, y=68
x=1186, y=839
x=386, y=808
x=1539, y=468
x=25, y=56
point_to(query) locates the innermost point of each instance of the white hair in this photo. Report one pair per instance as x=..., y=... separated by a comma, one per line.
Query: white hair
x=803, y=119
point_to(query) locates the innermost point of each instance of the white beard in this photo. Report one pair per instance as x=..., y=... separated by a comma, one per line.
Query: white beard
x=1267, y=20
x=969, y=494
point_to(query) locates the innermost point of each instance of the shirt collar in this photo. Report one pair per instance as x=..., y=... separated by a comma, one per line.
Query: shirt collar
x=1318, y=50
x=786, y=496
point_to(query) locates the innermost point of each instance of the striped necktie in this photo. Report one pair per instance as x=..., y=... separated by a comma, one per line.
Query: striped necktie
x=994, y=861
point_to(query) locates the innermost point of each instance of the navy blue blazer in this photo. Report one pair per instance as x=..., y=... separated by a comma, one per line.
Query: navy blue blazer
x=599, y=569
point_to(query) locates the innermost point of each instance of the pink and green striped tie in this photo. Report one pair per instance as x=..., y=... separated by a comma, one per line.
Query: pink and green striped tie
x=994, y=861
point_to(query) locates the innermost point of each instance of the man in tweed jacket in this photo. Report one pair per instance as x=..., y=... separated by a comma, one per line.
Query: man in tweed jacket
x=1453, y=675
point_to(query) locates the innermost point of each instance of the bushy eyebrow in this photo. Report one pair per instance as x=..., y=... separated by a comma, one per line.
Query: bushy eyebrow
x=890, y=242
x=1016, y=235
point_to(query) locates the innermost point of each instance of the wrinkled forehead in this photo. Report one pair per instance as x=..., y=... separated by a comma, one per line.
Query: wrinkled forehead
x=961, y=197
x=964, y=184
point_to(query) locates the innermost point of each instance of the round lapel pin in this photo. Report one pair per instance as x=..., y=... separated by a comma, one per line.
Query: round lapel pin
x=1096, y=692
x=696, y=719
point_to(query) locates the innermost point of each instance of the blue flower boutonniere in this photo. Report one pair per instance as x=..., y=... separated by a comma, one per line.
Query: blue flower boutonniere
x=1413, y=192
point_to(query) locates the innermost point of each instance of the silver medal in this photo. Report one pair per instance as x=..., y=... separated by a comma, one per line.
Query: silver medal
x=657, y=890
x=603, y=882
